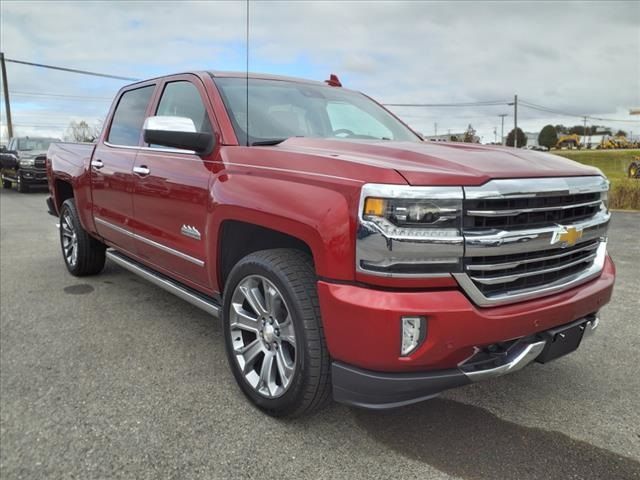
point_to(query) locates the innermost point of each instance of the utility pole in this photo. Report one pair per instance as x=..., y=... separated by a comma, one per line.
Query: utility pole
x=7, y=104
x=584, y=137
x=435, y=128
x=502, y=115
x=515, y=121
x=495, y=134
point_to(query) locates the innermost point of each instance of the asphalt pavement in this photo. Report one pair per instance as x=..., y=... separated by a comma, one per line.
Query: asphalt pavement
x=111, y=377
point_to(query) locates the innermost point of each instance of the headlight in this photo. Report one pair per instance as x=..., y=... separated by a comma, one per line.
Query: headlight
x=409, y=231
x=604, y=196
x=27, y=162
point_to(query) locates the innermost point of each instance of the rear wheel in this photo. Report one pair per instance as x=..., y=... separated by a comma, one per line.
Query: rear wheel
x=273, y=332
x=83, y=255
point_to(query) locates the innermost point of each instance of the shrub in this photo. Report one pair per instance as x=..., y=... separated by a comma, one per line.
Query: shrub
x=625, y=194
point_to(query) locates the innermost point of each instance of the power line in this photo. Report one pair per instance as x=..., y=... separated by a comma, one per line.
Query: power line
x=59, y=95
x=37, y=125
x=487, y=103
x=72, y=70
x=542, y=108
x=459, y=104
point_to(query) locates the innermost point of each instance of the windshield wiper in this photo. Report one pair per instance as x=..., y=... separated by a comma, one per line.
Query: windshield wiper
x=273, y=141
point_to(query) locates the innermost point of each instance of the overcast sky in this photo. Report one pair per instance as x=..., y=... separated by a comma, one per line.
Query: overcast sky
x=574, y=57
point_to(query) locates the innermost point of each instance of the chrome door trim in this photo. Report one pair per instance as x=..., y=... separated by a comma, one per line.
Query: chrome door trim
x=177, y=289
x=153, y=243
x=151, y=149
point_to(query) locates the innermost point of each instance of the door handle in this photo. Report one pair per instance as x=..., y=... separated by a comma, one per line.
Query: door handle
x=97, y=164
x=142, y=170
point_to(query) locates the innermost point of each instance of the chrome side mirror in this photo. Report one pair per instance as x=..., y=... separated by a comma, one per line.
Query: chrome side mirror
x=177, y=132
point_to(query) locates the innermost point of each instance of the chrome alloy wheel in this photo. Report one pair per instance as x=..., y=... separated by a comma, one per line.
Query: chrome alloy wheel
x=263, y=336
x=69, y=240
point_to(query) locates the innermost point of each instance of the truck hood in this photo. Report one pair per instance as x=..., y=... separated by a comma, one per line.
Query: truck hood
x=26, y=154
x=435, y=163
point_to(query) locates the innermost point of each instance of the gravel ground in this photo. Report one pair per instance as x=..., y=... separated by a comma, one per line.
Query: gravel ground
x=110, y=377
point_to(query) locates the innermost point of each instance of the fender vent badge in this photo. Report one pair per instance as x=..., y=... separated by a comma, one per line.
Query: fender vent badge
x=191, y=232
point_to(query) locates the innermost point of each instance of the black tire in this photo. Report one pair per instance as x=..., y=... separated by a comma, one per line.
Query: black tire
x=293, y=274
x=22, y=186
x=90, y=255
x=6, y=184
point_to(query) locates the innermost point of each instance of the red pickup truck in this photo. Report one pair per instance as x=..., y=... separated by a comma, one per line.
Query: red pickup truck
x=345, y=255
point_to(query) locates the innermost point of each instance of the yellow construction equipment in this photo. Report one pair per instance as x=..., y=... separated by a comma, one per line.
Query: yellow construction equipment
x=568, y=141
x=614, y=142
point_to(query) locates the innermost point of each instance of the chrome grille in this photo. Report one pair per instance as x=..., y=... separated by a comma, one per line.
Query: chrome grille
x=510, y=213
x=530, y=269
x=532, y=237
x=40, y=162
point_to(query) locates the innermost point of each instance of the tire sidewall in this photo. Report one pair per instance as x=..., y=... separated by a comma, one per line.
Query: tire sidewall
x=20, y=183
x=293, y=396
x=69, y=206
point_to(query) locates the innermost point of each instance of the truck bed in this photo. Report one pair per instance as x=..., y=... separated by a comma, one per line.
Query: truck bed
x=68, y=157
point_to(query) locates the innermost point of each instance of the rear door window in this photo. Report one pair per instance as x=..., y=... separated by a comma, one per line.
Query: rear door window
x=129, y=116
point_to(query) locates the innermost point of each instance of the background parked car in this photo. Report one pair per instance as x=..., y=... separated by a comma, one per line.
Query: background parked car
x=23, y=162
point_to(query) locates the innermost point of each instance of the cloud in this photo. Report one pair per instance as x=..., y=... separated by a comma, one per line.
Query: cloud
x=579, y=57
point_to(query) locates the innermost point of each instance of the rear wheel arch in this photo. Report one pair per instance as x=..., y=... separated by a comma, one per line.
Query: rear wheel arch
x=63, y=191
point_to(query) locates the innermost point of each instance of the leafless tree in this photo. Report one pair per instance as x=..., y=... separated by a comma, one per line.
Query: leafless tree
x=83, y=132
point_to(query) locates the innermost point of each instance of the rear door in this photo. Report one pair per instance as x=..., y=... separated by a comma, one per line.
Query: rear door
x=171, y=193
x=112, y=180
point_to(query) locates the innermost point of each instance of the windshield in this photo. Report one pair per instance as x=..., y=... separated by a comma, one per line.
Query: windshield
x=37, y=144
x=281, y=109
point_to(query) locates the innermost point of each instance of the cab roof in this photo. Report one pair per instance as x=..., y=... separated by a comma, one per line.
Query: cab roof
x=264, y=76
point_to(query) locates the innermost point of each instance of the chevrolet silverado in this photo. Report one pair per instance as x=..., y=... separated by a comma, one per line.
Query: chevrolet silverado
x=345, y=256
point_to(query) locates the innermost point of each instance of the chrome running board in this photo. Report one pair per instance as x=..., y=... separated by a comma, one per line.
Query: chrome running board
x=187, y=294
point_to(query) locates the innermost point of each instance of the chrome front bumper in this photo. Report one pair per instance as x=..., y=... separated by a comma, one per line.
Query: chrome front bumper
x=521, y=355
x=380, y=390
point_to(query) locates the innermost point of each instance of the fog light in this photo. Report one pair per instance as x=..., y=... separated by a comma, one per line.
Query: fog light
x=413, y=333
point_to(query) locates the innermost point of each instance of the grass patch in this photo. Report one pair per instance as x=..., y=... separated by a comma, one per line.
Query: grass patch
x=625, y=192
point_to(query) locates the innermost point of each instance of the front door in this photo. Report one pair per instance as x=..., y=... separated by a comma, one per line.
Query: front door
x=112, y=179
x=171, y=196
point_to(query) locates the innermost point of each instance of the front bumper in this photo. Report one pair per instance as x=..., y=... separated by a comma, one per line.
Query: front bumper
x=363, y=333
x=367, y=389
x=362, y=325
x=33, y=176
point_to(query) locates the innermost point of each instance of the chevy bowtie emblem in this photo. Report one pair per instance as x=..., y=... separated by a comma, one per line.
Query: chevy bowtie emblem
x=567, y=236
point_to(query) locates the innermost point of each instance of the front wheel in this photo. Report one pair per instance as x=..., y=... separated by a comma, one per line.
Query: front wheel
x=83, y=255
x=273, y=332
x=22, y=185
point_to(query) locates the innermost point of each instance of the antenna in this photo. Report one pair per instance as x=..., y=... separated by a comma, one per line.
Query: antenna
x=247, y=77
